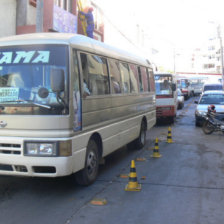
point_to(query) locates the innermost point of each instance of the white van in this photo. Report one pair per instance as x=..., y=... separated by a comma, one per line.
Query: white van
x=212, y=86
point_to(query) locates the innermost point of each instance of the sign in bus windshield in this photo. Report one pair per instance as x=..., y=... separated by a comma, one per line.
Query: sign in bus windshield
x=24, y=57
x=9, y=94
x=33, y=55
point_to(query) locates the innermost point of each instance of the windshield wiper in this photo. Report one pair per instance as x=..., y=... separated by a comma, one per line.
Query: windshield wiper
x=27, y=101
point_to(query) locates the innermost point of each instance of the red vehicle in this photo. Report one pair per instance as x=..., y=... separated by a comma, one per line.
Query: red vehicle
x=166, y=96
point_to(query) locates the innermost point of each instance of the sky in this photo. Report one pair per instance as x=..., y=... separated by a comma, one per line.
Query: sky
x=182, y=25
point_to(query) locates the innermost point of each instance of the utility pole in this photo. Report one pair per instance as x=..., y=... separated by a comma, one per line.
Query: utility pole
x=174, y=61
x=221, y=52
x=39, y=16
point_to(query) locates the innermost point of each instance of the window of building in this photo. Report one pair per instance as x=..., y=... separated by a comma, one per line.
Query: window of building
x=64, y=4
x=209, y=66
x=115, y=76
x=98, y=17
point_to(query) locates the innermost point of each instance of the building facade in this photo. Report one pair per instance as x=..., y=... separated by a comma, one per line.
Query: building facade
x=212, y=57
x=8, y=17
x=58, y=16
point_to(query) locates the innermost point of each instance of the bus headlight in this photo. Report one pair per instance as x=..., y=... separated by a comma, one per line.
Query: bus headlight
x=40, y=149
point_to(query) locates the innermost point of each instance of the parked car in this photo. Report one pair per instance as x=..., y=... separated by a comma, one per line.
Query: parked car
x=208, y=98
x=212, y=86
x=180, y=99
x=185, y=86
x=197, y=83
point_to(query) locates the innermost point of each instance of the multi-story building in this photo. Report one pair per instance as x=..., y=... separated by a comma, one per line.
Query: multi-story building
x=19, y=17
x=212, y=56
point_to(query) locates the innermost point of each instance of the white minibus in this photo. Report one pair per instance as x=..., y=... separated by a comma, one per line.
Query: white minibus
x=66, y=101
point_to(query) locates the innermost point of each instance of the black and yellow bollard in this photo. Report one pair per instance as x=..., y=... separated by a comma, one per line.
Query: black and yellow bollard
x=169, y=136
x=133, y=184
x=156, y=153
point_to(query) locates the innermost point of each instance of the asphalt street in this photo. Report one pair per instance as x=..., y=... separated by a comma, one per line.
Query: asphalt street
x=185, y=185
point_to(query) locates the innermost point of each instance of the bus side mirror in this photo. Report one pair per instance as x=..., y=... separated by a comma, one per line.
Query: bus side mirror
x=174, y=87
x=196, y=102
x=57, y=80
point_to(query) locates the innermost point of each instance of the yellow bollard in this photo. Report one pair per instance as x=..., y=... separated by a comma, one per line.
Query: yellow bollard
x=169, y=136
x=133, y=184
x=156, y=153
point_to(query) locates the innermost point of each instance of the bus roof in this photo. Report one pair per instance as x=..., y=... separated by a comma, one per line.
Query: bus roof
x=77, y=41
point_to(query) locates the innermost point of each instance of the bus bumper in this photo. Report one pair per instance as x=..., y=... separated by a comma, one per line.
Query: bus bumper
x=14, y=162
x=165, y=111
x=35, y=166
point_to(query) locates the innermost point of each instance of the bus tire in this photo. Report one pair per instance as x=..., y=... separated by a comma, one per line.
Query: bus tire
x=141, y=140
x=89, y=174
x=171, y=120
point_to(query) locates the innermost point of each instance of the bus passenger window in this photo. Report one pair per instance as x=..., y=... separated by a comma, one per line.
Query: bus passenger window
x=134, y=78
x=77, y=121
x=84, y=63
x=140, y=80
x=125, y=77
x=98, y=75
x=144, y=79
x=148, y=79
x=151, y=80
x=115, y=76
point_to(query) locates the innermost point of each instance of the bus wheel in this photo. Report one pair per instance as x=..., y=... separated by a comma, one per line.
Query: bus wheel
x=171, y=120
x=141, y=140
x=89, y=174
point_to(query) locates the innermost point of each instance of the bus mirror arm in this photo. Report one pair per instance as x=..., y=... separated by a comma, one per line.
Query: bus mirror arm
x=57, y=80
x=62, y=102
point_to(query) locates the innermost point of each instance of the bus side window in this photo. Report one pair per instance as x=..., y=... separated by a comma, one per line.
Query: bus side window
x=140, y=80
x=76, y=95
x=125, y=77
x=134, y=78
x=148, y=79
x=84, y=63
x=115, y=76
x=98, y=75
x=144, y=79
x=151, y=80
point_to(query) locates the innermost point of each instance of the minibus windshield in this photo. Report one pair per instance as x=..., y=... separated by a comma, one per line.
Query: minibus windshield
x=25, y=79
x=163, y=85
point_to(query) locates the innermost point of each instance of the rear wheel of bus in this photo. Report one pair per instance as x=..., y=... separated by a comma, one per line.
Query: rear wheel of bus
x=141, y=140
x=89, y=174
